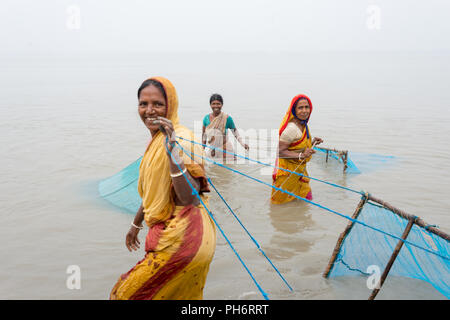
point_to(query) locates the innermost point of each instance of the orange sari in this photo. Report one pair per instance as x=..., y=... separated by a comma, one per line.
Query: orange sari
x=284, y=180
x=181, y=240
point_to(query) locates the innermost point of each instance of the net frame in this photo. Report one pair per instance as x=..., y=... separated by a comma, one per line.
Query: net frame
x=412, y=220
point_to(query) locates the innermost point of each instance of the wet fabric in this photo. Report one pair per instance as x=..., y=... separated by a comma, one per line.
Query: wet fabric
x=181, y=240
x=216, y=136
x=284, y=180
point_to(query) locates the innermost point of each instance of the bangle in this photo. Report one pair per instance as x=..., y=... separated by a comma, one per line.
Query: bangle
x=174, y=175
x=300, y=156
x=137, y=227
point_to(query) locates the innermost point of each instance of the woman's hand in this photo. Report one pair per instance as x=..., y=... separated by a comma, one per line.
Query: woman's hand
x=246, y=147
x=131, y=240
x=317, y=141
x=308, y=152
x=166, y=127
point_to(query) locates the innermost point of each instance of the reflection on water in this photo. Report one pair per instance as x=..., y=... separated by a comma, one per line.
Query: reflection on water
x=292, y=217
x=290, y=221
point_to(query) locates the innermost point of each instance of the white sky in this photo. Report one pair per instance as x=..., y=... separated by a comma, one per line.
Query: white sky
x=223, y=25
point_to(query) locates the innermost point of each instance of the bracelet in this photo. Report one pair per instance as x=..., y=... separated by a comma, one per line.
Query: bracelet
x=300, y=156
x=174, y=175
x=137, y=227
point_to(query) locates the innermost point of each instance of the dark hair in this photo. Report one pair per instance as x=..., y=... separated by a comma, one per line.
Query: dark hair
x=301, y=98
x=217, y=97
x=152, y=82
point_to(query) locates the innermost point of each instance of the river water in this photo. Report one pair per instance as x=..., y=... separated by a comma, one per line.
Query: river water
x=68, y=122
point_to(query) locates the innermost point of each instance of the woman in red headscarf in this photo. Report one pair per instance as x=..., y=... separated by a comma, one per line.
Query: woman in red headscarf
x=295, y=149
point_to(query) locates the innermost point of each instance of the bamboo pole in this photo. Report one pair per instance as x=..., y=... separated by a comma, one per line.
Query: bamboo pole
x=343, y=155
x=343, y=235
x=345, y=160
x=392, y=259
x=329, y=149
x=419, y=222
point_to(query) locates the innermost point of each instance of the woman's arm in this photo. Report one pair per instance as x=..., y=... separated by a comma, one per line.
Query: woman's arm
x=317, y=141
x=182, y=188
x=131, y=240
x=239, y=139
x=213, y=152
x=283, y=151
x=203, y=136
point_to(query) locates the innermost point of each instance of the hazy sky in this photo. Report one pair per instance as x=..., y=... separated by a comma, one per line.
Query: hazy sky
x=225, y=25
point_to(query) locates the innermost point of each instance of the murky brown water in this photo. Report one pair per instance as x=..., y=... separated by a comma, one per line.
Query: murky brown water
x=67, y=123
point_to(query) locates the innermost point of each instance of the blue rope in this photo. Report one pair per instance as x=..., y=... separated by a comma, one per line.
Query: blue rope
x=256, y=243
x=251, y=237
x=194, y=192
x=316, y=204
x=273, y=166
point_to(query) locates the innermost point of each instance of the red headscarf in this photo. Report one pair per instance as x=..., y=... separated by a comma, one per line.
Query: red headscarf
x=290, y=112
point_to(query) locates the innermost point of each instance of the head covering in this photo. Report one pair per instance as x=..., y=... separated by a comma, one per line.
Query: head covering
x=155, y=183
x=290, y=114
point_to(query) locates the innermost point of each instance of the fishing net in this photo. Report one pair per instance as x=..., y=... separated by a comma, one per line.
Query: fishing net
x=121, y=188
x=341, y=156
x=424, y=255
x=357, y=162
x=361, y=247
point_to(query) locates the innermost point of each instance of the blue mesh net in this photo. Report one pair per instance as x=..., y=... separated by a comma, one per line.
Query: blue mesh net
x=334, y=154
x=370, y=162
x=361, y=248
x=364, y=247
x=121, y=188
x=358, y=162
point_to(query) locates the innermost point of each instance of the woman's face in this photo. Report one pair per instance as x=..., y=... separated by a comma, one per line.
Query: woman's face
x=302, y=109
x=216, y=106
x=151, y=105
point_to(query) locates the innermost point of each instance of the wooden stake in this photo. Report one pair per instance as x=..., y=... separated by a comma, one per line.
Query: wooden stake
x=345, y=160
x=343, y=235
x=343, y=155
x=419, y=222
x=392, y=259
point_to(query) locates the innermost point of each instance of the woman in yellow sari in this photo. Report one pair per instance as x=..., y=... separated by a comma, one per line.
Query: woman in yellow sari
x=181, y=240
x=295, y=149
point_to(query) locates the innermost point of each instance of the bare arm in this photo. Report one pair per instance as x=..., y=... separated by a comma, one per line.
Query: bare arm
x=131, y=240
x=182, y=188
x=283, y=151
x=203, y=136
x=238, y=138
x=184, y=197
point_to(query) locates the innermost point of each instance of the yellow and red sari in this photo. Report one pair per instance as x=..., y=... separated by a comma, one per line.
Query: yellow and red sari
x=181, y=240
x=284, y=180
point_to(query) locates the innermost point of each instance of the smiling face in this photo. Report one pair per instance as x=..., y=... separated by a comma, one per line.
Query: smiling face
x=216, y=107
x=302, y=109
x=151, y=105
